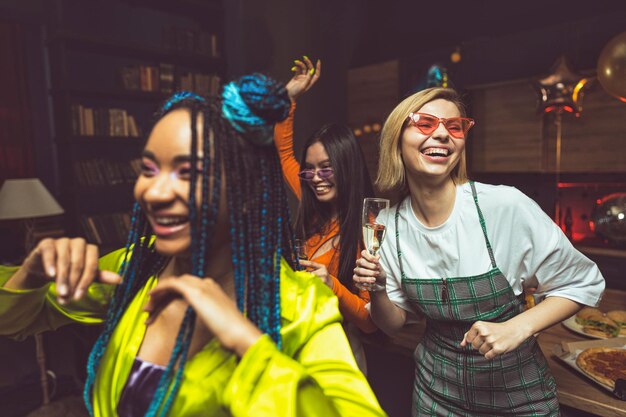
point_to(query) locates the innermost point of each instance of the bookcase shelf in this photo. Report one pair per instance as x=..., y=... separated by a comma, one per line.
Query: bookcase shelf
x=123, y=95
x=129, y=50
x=192, y=8
x=101, y=200
x=135, y=142
x=107, y=78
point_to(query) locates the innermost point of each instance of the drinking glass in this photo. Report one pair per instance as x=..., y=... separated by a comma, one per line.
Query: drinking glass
x=301, y=249
x=373, y=231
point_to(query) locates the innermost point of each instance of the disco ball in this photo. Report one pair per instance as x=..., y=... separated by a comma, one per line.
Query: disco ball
x=609, y=218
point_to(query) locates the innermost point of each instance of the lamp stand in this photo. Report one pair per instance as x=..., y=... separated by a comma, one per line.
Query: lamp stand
x=29, y=234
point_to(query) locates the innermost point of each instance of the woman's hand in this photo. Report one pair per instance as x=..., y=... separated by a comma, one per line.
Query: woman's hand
x=319, y=270
x=305, y=77
x=494, y=339
x=71, y=263
x=368, y=270
x=213, y=306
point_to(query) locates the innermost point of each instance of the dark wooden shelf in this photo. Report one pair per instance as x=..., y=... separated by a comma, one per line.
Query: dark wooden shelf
x=191, y=8
x=85, y=66
x=115, y=48
x=94, y=191
x=149, y=96
x=101, y=199
x=119, y=188
x=102, y=140
x=593, y=250
x=595, y=246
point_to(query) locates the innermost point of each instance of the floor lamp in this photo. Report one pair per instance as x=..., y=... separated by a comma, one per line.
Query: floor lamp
x=26, y=200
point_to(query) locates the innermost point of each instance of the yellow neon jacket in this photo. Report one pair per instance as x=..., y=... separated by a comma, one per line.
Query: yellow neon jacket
x=314, y=374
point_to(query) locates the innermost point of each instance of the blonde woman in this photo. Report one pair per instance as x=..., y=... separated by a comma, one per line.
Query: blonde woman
x=461, y=253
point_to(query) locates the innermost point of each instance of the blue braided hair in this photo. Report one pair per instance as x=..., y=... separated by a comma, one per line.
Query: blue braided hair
x=260, y=229
x=253, y=105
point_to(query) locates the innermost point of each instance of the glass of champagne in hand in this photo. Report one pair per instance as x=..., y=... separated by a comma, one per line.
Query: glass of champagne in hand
x=301, y=249
x=373, y=231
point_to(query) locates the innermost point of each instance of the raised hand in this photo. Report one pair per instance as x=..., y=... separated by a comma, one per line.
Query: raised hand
x=217, y=311
x=318, y=269
x=306, y=75
x=368, y=270
x=493, y=339
x=71, y=263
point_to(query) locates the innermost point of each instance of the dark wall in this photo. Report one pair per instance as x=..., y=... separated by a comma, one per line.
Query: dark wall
x=29, y=13
x=498, y=42
x=268, y=36
x=524, y=54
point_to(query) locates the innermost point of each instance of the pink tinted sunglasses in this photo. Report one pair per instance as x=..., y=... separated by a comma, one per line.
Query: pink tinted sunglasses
x=309, y=174
x=427, y=124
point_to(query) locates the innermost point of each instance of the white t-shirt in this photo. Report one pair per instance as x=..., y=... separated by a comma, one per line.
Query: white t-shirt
x=529, y=248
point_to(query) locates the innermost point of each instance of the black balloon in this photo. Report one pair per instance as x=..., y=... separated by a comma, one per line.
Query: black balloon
x=561, y=90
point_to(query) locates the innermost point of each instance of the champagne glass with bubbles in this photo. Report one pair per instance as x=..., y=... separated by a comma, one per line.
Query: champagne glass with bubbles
x=373, y=231
x=301, y=249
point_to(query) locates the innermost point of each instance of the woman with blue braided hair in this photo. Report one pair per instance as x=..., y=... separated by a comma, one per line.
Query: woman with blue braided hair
x=210, y=318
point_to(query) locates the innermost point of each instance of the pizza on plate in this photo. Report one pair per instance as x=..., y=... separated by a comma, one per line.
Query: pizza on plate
x=605, y=365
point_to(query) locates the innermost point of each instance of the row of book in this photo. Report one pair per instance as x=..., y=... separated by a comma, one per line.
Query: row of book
x=189, y=41
x=148, y=78
x=44, y=227
x=87, y=121
x=106, y=229
x=104, y=172
x=164, y=79
x=203, y=84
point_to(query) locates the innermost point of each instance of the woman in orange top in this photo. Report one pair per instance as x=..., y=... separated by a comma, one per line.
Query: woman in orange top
x=331, y=182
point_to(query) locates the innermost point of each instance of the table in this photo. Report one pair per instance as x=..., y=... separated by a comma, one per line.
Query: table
x=573, y=389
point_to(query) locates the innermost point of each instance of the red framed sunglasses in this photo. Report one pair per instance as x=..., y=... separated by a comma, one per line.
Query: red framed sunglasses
x=427, y=124
x=309, y=174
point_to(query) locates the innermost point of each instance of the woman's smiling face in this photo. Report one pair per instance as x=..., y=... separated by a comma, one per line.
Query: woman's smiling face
x=325, y=190
x=434, y=155
x=162, y=188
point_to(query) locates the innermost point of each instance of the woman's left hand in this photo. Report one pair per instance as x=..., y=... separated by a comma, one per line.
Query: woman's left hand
x=213, y=306
x=493, y=339
x=305, y=76
x=319, y=270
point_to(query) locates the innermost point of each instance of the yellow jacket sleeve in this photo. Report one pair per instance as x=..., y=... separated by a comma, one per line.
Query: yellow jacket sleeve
x=30, y=311
x=321, y=378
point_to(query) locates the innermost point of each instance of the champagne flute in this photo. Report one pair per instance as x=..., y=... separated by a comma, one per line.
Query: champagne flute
x=373, y=231
x=301, y=249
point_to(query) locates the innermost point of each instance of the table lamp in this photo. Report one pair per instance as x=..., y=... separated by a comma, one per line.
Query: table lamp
x=27, y=199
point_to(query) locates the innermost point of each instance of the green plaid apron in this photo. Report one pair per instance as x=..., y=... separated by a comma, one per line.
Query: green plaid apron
x=455, y=381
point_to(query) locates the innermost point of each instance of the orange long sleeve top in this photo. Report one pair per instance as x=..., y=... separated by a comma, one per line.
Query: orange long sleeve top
x=351, y=306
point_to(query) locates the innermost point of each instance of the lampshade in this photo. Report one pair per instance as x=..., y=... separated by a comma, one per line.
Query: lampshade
x=25, y=199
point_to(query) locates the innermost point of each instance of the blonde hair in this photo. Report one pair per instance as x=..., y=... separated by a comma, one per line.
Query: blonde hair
x=391, y=170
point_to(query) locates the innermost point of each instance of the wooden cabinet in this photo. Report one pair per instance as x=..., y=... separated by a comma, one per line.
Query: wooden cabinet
x=373, y=91
x=510, y=136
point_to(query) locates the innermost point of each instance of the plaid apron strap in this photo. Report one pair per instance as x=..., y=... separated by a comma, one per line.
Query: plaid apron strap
x=482, y=224
x=399, y=251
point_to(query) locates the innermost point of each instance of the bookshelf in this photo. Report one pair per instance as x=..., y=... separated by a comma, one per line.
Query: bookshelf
x=110, y=66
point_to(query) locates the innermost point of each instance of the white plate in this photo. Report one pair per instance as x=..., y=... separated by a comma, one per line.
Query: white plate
x=577, y=328
x=570, y=359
